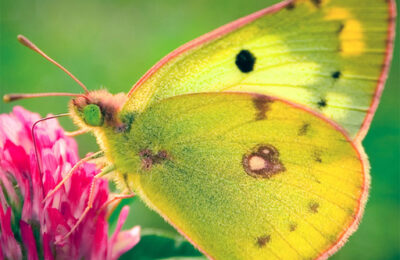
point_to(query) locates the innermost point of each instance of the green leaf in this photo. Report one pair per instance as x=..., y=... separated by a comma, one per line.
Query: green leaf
x=162, y=245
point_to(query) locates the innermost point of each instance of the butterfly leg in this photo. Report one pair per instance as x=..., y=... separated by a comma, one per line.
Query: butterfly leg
x=69, y=174
x=103, y=172
x=116, y=200
x=76, y=133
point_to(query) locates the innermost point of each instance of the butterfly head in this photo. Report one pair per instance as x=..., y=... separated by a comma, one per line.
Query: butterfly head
x=97, y=109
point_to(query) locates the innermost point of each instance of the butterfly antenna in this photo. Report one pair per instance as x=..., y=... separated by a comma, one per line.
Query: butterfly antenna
x=24, y=41
x=38, y=160
x=13, y=97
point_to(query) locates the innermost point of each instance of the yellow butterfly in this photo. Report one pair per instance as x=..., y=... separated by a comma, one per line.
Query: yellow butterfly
x=248, y=139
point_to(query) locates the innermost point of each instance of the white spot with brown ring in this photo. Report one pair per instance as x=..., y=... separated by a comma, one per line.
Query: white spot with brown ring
x=263, y=163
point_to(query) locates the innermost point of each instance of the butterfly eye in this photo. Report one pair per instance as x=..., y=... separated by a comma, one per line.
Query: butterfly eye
x=92, y=115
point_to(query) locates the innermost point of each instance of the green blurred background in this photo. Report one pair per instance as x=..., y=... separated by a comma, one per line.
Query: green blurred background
x=113, y=43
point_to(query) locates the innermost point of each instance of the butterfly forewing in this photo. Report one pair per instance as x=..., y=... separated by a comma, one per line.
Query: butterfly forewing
x=330, y=55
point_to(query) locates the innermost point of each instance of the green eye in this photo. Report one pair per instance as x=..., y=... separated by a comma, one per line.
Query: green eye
x=92, y=115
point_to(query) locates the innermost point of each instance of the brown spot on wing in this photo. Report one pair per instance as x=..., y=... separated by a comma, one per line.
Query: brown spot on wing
x=341, y=27
x=145, y=153
x=261, y=104
x=350, y=211
x=292, y=227
x=290, y=6
x=303, y=129
x=314, y=206
x=317, y=3
x=149, y=159
x=162, y=155
x=263, y=240
x=147, y=163
x=317, y=156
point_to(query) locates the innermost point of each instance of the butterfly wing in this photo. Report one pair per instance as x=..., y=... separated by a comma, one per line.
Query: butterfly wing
x=330, y=55
x=244, y=176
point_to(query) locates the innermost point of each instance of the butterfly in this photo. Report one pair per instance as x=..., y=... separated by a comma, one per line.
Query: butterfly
x=248, y=139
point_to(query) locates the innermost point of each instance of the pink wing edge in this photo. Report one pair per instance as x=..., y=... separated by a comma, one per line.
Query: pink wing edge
x=359, y=137
x=361, y=155
x=272, y=9
x=384, y=74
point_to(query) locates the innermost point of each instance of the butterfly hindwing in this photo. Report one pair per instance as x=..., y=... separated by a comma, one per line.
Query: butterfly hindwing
x=245, y=176
x=330, y=55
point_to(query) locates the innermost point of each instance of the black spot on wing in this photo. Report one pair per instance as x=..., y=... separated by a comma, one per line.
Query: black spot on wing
x=245, y=61
x=322, y=103
x=336, y=74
